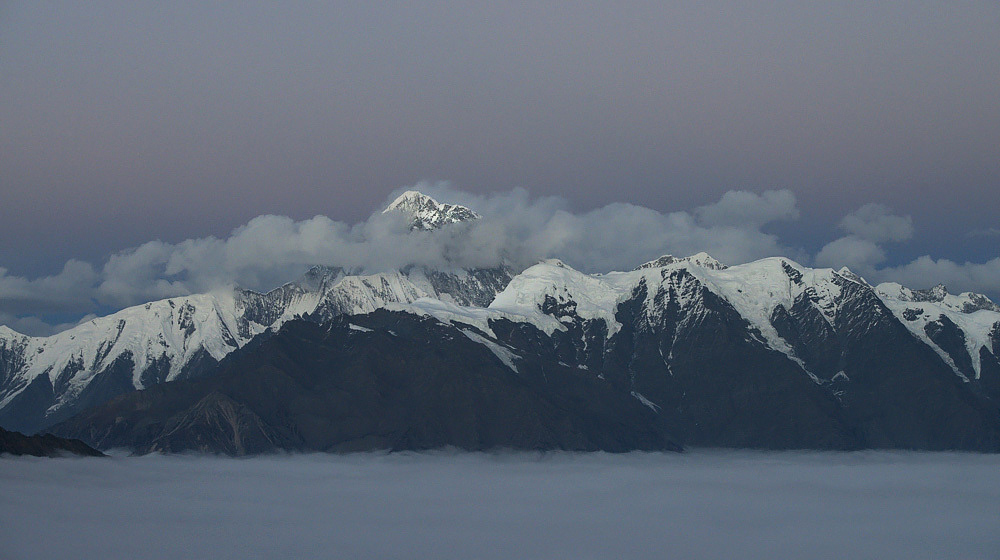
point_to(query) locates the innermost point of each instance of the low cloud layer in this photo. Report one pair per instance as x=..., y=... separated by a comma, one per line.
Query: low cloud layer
x=516, y=228
x=696, y=505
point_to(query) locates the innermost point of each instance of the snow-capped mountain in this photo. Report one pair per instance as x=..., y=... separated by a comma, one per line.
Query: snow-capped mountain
x=425, y=213
x=802, y=312
x=384, y=380
x=802, y=357
x=703, y=260
x=765, y=354
x=46, y=379
x=964, y=329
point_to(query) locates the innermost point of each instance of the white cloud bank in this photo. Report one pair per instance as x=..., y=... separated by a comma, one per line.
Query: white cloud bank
x=868, y=228
x=516, y=227
x=873, y=226
x=877, y=223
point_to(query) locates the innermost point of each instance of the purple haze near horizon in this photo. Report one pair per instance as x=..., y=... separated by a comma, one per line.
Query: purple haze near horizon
x=126, y=122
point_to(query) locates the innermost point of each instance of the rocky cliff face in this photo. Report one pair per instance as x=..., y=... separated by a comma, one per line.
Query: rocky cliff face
x=48, y=445
x=386, y=380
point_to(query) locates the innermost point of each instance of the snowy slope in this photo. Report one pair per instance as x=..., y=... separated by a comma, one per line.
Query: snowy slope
x=160, y=338
x=552, y=281
x=365, y=293
x=759, y=291
x=702, y=259
x=478, y=317
x=754, y=289
x=758, y=288
x=164, y=340
x=555, y=285
x=257, y=311
x=921, y=310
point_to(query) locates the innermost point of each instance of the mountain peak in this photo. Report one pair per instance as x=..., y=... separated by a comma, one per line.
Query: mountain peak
x=935, y=294
x=425, y=213
x=7, y=332
x=702, y=259
x=409, y=198
x=966, y=302
x=851, y=275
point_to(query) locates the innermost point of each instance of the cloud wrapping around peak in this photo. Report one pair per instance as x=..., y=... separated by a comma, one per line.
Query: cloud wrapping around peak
x=619, y=236
x=516, y=229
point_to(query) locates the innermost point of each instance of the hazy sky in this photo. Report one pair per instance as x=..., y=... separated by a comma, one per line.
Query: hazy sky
x=122, y=123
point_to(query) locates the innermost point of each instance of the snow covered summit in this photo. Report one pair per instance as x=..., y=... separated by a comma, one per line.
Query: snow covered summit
x=425, y=213
x=700, y=259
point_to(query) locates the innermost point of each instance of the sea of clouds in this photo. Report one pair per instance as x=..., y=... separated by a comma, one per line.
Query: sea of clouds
x=702, y=504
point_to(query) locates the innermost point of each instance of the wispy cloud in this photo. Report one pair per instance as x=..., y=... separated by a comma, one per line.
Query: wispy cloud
x=988, y=232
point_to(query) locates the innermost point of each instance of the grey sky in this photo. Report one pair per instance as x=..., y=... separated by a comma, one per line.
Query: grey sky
x=126, y=122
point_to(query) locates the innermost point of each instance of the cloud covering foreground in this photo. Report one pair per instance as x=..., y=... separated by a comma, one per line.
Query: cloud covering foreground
x=696, y=505
x=516, y=228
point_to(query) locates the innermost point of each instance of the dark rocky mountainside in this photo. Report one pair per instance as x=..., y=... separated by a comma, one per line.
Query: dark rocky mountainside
x=385, y=380
x=677, y=364
x=48, y=445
